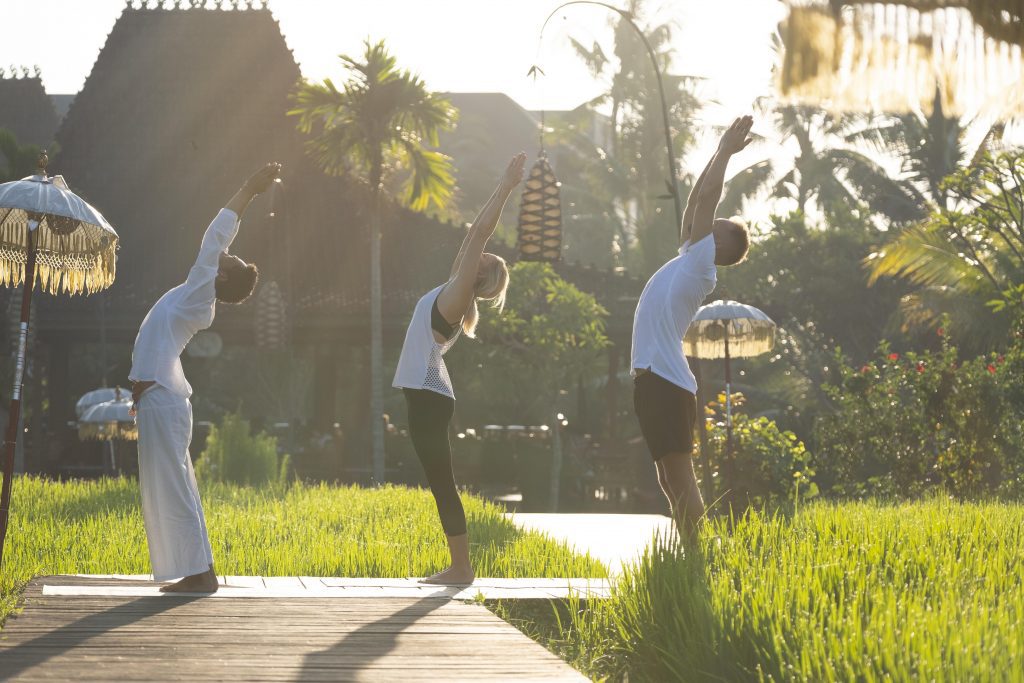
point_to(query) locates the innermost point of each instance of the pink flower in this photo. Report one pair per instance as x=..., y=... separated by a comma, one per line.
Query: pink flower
x=991, y=369
x=920, y=366
x=865, y=370
x=941, y=331
x=894, y=356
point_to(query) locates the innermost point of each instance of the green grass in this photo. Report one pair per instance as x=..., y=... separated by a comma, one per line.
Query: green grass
x=95, y=527
x=851, y=592
x=837, y=592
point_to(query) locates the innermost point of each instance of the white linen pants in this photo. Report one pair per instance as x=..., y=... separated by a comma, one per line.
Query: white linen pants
x=175, y=525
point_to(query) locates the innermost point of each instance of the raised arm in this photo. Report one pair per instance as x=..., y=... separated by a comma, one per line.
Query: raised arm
x=465, y=241
x=257, y=183
x=221, y=232
x=454, y=299
x=691, y=203
x=710, y=192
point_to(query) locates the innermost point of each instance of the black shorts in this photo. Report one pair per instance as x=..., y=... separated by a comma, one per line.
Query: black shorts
x=667, y=414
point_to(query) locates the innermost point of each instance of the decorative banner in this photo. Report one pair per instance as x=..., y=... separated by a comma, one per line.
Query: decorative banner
x=271, y=317
x=540, y=215
x=854, y=55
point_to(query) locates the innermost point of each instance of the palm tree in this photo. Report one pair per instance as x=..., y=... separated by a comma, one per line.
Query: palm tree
x=826, y=169
x=939, y=254
x=624, y=174
x=968, y=252
x=376, y=129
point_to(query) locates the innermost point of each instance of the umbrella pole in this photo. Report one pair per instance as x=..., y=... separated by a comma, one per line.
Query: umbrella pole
x=728, y=395
x=11, y=439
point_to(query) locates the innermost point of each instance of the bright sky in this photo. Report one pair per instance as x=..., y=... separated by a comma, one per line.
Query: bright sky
x=455, y=45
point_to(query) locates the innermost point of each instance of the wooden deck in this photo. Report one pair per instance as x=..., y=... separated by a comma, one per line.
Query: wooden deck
x=182, y=638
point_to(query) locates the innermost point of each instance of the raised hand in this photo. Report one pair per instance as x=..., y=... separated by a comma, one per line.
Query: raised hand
x=259, y=181
x=735, y=139
x=514, y=173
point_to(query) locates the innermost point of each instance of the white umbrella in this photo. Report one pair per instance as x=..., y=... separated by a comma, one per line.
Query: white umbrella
x=729, y=329
x=50, y=236
x=96, y=396
x=108, y=420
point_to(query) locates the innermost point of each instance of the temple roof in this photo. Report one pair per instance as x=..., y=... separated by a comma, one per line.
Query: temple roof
x=26, y=110
x=180, y=107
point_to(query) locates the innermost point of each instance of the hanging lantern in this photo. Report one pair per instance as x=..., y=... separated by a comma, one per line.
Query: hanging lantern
x=540, y=215
x=271, y=319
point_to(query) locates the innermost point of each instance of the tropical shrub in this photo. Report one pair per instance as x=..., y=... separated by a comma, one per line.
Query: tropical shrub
x=765, y=465
x=904, y=424
x=236, y=456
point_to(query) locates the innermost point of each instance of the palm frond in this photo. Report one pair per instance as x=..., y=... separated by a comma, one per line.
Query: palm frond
x=924, y=256
x=747, y=184
x=316, y=103
x=899, y=200
x=430, y=180
x=974, y=324
x=594, y=57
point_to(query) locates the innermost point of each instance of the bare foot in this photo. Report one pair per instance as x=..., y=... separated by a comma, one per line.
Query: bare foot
x=197, y=583
x=451, y=577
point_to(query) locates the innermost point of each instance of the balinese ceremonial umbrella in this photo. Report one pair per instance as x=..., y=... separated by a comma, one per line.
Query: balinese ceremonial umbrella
x=108, y=421
x=97, y=396
x=51, y=236
x=729, y=329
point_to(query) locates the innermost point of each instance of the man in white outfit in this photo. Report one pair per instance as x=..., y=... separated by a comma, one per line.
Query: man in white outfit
x=175, y=527
x=664, y=387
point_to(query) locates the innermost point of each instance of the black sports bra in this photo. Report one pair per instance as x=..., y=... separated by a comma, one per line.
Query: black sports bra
x=440, y=325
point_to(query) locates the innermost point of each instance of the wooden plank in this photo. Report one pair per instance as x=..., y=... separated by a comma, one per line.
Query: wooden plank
x=288, y=587
x=312, y=638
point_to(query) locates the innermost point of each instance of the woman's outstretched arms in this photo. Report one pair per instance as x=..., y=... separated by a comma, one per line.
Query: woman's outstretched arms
x=469, y=233
x=456, y=296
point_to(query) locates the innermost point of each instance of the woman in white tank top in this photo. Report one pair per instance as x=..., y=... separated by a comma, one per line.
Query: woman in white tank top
x=422, y=374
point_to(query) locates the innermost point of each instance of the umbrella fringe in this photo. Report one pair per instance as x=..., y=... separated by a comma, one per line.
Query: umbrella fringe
x=106, y=431
x=83, y=261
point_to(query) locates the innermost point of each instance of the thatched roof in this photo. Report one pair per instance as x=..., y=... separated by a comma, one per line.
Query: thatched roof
x=181, y=105
x=490, y=130
x=26, y=110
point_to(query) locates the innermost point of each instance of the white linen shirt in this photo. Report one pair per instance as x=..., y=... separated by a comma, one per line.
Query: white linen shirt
x=180, y=313
x=666, y=308
x=421, y=364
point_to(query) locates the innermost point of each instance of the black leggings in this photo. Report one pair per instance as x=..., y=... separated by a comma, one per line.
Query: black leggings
x=429, y=415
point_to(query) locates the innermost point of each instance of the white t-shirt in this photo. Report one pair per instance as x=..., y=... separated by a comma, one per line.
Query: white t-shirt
x=421, y=365
x=180, y=313
x=666, y=308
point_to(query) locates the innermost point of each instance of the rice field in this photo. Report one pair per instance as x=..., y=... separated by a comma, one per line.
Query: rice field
x=838, y=592
x=95, y=527
x=834, y=592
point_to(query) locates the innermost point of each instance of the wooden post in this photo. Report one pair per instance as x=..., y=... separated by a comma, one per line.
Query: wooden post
x=728, y=394
x=14, y=416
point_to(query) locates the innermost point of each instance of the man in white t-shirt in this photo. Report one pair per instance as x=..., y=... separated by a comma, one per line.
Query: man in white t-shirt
x=664, y=391
x=179, y=546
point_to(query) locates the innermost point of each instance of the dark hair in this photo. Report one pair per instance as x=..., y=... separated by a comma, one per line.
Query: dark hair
x=237, y=285
x=738, y=242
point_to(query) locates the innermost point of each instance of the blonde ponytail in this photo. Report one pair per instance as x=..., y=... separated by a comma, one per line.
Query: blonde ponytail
x=492, y=287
